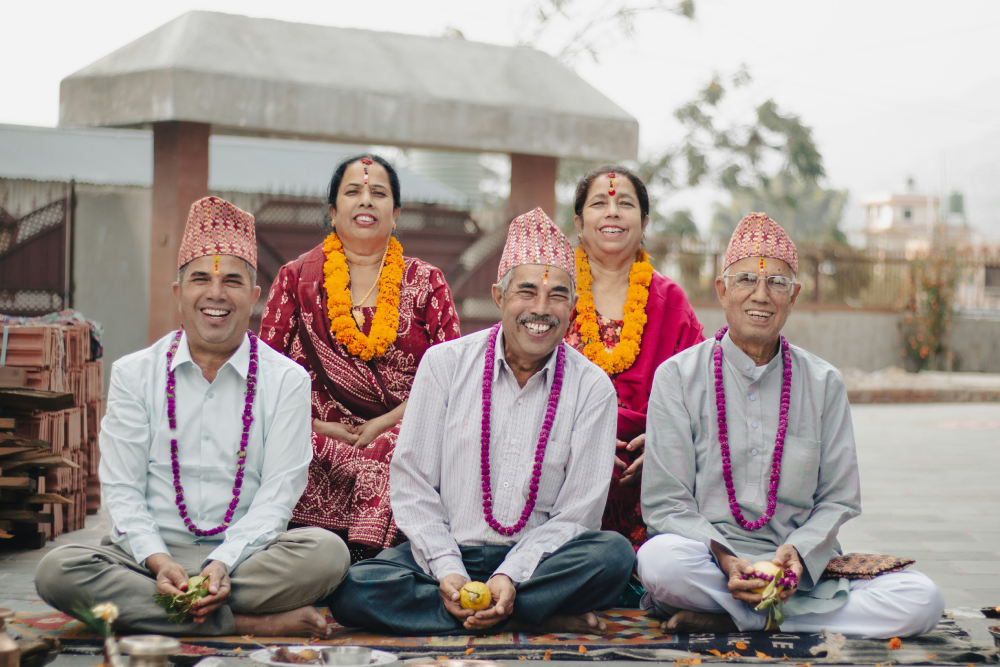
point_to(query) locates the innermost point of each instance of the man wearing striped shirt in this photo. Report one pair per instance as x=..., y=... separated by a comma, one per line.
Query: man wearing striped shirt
x=502, y=472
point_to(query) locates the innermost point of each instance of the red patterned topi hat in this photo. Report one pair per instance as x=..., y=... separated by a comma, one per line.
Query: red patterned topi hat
x=534, y=239
x=216, y=227
x=759, y=236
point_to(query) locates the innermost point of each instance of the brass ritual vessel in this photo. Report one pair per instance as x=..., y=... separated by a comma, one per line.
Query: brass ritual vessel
x=149, y=650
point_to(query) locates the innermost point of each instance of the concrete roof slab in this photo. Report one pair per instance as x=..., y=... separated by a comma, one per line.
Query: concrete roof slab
x=273, y=78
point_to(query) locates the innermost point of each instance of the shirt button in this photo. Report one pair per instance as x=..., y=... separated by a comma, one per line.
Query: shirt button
x=506, y=484
x=520, y=400
x=746, y=366
x=525, y=574
x=211, y=395
x=206, y=478
x=753, y=397
x=754, y=424
x=513, y=441
x=207, y=437
x=754, y=452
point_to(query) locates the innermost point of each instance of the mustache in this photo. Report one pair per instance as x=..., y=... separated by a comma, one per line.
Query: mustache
x=551, y=320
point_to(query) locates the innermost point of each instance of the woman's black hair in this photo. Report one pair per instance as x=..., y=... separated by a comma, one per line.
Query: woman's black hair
x=583, y=187
x=338, y=176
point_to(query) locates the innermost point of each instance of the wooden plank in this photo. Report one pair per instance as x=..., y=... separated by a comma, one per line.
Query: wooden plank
x=36, y=399
x=16, y=482
x=6, y=423
x=25, y=442
x=43, y=498
x=50, y=461
x=12, y=376
x=25, y=516
x=10, y=451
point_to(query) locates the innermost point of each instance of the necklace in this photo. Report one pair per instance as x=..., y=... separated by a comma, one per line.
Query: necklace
x=339, y=303
x=543, y=437
x=359, y=315
x=779, y=440
x=240, y=457
x=629, y=343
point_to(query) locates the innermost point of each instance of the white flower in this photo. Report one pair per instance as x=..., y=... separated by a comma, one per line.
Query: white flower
x=107, y=612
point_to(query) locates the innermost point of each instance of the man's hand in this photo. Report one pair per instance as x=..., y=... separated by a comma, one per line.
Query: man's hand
x=218, y=591
x=372, y=429
x=171, y=579
x=502, y=605
x=337, y=431
x=787, y=558
x=734, y=568
x=451, y=597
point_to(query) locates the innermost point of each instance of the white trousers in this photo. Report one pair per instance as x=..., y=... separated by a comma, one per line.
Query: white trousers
x=681, y=573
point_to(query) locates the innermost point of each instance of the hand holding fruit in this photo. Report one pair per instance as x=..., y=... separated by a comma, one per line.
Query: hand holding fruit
x=451, y=596
x=787, y=558
x=500, y=591
x=218, y=590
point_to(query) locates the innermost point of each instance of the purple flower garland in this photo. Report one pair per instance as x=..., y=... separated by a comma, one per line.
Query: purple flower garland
x=543, y=438
x=788, y=580
x=779, y=441
x=241, y=457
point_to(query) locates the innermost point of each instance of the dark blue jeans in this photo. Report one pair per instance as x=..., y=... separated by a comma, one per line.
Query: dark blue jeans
x=390, y=593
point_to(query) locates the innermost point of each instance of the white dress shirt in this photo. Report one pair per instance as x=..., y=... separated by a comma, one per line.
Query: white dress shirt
x=135, y=471
x=435, y=477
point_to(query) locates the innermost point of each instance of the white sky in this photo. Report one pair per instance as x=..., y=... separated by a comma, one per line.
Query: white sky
x=891, y=89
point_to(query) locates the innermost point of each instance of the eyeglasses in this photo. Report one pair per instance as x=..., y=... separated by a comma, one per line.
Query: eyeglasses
x=748, y=281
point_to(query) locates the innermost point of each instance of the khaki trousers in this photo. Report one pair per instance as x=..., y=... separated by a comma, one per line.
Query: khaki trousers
x=297, y=568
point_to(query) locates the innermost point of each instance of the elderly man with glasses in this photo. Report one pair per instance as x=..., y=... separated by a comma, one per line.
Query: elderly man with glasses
x=750, y=457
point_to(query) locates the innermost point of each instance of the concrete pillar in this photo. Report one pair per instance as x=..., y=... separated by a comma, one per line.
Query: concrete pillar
x=180, y=178
x=532, y=183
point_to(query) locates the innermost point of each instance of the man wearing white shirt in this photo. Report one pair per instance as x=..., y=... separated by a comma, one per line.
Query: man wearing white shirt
x=205, y=450
x=502, y=473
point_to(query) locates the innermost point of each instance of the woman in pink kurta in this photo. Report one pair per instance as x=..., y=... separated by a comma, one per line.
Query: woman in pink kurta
x=611, y=228
x=348, y=490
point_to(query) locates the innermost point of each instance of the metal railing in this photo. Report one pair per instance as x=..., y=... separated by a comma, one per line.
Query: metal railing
x=837, y=276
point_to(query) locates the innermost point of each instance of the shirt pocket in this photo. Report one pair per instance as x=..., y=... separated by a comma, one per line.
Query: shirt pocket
x=799, y=472
x=553, y=475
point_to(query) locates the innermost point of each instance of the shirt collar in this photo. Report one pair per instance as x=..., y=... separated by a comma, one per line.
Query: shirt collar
x=500, y=362
x=240, y=361
x=742, y=362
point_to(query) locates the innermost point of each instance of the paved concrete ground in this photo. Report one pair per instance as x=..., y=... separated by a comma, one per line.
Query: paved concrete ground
x=929, y=492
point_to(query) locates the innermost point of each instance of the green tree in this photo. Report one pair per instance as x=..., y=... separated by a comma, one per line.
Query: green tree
x=807, y=211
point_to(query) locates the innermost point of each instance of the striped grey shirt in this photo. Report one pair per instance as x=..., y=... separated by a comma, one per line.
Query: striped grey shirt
x=435, y=478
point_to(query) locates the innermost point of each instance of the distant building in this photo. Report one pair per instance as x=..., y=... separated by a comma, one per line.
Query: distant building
x=908, y=221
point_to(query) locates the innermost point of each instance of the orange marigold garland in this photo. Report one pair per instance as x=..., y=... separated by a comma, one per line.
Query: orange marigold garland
x=337, y=278
x=629, y=344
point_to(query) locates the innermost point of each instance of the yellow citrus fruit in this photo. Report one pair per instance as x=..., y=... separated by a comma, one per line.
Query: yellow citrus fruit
x=767, y=567
x=475, y=595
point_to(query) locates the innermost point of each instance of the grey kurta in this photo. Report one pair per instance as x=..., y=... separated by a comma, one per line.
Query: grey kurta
x=683, y=491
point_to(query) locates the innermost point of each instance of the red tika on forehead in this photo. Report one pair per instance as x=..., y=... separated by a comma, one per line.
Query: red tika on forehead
x=216, y=227
x=757, y=235
x=534, y=239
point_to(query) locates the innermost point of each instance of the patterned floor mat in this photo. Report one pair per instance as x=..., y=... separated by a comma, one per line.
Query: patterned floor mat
x=633, y=636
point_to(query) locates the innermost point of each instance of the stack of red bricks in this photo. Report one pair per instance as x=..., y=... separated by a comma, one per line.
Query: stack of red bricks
x=58, y=359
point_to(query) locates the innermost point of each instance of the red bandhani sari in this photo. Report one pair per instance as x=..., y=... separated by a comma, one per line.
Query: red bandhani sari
x=671, y=326
x=348, y=490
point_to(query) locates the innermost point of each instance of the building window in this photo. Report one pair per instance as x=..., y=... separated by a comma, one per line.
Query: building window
x=993, y=278
x=907, y=213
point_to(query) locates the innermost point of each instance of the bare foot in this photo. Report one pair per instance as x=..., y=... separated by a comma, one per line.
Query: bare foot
x=302, y=622
x=696, y=621
x=583, y=624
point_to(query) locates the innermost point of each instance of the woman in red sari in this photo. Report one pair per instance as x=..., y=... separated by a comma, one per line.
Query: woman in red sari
x=358, y=315
x=628, y=320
